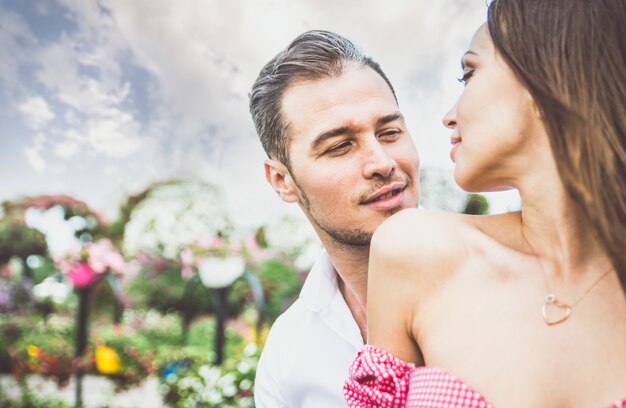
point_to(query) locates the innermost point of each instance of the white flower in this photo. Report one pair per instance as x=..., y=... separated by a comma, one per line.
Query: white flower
x=50, y=288
x=294, y=237
x=230, y=390
x=212, y=397
x=220, y=272
x=210, y=375
x=226, y=380
x=173, y=216
x=245, y=384
x=243, y=367
x=250, y=350
x=227, y=384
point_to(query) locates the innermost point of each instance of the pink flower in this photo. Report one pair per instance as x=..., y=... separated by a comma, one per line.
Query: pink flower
x=186, y=272
x=103, y=256
x=81, y=275
x=116, y=262
x=254, y=251
x=186, y=257
x=209, y=242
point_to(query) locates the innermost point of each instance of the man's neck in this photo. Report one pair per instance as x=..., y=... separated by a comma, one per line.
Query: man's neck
x=351, y=266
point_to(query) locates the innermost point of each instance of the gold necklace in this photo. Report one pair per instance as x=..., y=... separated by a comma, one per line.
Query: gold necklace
x=553, y=310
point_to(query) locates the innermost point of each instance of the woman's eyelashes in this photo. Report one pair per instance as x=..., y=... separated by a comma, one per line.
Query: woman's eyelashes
x=466, y=76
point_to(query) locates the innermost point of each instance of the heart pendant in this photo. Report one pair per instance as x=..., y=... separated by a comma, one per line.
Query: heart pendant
x=553, y=311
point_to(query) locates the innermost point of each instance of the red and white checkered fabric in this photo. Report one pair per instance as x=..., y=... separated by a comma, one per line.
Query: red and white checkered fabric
x=379, y=379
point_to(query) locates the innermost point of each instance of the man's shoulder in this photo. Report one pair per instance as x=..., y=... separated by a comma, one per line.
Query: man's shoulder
x=287, y=347
x=292, y=322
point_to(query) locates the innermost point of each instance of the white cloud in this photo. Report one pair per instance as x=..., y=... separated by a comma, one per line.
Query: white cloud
x=15, y=38
x=66, y=149
x=33, y=154
x=83, y=72
x=115, y=135
x=36, y=112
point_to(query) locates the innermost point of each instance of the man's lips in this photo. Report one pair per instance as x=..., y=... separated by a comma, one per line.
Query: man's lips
x=388, y=197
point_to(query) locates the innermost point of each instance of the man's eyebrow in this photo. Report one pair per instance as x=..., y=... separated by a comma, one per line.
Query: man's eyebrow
x=320, y=139
x=389, y=118
x=470, y=52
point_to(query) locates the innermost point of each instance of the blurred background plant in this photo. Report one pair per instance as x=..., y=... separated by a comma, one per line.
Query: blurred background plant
x=172, y=253
x=167, y=237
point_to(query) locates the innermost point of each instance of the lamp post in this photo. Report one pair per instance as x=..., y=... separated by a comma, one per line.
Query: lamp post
x=82, y=323
x=218, y=274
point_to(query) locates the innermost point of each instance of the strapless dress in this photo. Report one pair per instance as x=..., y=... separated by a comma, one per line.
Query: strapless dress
x=379, y=379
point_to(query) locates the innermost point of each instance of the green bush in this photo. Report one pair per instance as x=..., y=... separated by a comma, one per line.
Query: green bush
x=281, y=285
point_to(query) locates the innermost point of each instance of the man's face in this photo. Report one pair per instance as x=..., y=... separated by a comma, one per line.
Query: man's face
x=353, y=162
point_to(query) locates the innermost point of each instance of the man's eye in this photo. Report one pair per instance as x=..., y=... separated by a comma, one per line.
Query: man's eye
x=340, y=148
x=390, y=134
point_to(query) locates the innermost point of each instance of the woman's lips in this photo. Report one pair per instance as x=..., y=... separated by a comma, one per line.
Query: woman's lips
x=455, y=147
x=455, y=141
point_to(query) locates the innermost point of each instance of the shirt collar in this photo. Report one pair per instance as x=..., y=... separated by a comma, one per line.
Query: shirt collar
x=320, y=286
x=321, y=294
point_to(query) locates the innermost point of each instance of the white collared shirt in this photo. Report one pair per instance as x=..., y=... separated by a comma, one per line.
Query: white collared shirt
x=310, y=347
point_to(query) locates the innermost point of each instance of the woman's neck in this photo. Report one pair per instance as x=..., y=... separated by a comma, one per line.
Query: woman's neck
x=553, y=228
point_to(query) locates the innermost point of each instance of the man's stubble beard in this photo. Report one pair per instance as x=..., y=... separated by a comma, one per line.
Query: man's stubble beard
x=347, y=238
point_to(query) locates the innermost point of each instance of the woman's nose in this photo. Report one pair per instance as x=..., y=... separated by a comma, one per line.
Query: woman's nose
x=449, y=119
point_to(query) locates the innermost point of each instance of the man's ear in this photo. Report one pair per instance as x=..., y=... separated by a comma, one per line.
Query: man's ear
x=277, y=174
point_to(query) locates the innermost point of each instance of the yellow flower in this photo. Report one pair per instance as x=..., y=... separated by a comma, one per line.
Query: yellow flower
x=32, y=351
x=259, y=336
x=107, y=360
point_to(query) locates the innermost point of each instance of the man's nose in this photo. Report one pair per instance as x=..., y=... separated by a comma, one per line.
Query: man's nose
x=378, y=162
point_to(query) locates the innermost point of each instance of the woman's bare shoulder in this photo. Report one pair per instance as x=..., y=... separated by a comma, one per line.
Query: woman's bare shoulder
x=422, y=248
x=419, y=231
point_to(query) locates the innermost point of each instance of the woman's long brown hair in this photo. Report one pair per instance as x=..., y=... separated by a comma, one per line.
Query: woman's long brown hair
x=571, y=56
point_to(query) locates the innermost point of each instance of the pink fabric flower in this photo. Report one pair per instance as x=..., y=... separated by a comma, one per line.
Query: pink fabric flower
x=81, y=275
x=377, y=379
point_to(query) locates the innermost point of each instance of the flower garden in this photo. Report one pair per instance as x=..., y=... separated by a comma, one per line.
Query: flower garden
x=171, y=291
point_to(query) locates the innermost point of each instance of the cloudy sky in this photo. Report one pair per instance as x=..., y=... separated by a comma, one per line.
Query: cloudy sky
x=99, y=98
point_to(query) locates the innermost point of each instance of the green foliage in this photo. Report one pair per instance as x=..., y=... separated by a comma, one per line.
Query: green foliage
x=164, y=291
x=19, y=240
x=43, y=269
x=281, y=285
x=44, y=347
x=476, y=204
x=146, y=343
x=135, y=358
x=11, y=329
